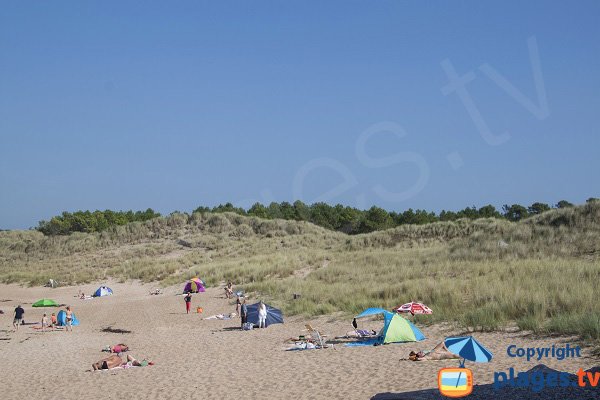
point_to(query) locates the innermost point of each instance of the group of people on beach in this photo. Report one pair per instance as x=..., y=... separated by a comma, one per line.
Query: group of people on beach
x=45, y=322
x=240, y=306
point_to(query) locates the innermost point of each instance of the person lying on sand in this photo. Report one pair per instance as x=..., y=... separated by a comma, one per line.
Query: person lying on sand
x=109, y=362
x=115, y=361
x=117, y=348
x=358, y=334
x=439, y=352
x=222, y=316
x=132, y=362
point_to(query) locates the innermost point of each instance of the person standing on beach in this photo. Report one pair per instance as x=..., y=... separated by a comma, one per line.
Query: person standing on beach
x=238, y=303
x=262, y=315
x=188, y=302
x=244, y=312
x=69, y=319
x=44, y=322
x=18, y=317
x=229, y=290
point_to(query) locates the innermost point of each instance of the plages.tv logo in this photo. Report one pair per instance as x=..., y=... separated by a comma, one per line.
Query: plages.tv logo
x=455, y=382
x=458, y=382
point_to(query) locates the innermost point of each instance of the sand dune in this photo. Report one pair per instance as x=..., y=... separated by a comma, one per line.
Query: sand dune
x=210, y=359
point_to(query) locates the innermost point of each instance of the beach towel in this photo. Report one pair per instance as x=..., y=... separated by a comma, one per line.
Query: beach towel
x=368, y=342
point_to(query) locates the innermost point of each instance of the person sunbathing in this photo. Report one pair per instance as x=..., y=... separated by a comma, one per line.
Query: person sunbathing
x=117, y=348
x=109, y=362
x=439, y=352
x=222, y=316
x=132, y=362
x=358, y=334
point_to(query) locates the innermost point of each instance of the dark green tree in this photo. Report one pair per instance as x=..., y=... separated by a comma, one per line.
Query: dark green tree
x=515, y=212
x=564, y=204
x=258, y=210
x=538, y=208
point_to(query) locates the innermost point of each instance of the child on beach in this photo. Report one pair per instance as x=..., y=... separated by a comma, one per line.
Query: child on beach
x=188, y=302
x=53, y=321
x=44, y=322
x=69, y=319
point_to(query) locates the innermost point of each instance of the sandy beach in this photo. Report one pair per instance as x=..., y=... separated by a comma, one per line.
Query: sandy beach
x=198, y=358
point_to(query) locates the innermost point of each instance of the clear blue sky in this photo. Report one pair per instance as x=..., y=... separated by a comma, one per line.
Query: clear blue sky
x=129, y=105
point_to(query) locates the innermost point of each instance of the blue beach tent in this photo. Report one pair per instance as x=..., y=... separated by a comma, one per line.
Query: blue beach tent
x=274, y=316
x=103, y=291
x=61, y=319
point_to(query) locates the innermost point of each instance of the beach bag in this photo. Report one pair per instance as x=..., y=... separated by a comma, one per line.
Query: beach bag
x=248, y=326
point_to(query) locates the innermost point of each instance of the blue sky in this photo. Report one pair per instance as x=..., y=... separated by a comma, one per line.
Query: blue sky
x=129, y=105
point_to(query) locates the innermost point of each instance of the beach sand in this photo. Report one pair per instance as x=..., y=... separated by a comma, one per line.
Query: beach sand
x=211, y=359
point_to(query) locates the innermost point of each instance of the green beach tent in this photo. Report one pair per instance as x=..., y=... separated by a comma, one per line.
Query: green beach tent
x=395, y=328
x=45, y=303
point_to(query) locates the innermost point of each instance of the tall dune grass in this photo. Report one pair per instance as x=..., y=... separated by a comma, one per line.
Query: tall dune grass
x=540, y=273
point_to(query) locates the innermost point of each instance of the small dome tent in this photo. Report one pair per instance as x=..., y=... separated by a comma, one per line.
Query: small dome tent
x=103, y=291
x=61, y=319
x=395, y=328
x=274, y=315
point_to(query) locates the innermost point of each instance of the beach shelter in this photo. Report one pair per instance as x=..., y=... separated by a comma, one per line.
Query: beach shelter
x=103, y=291
x=395, y=328
x=274, y=315
x=45, y=303
x=61, y=319
x=194, y=285
x=468, y=348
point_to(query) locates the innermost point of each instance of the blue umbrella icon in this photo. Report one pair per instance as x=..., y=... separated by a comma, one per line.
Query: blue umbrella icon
x=469, y=349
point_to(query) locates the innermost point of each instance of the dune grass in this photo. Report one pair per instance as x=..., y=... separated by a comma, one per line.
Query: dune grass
x=540, y=273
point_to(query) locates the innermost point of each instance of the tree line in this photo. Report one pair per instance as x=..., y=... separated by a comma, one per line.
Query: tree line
x=354, y=221
x=341, y=218
x=88, y=221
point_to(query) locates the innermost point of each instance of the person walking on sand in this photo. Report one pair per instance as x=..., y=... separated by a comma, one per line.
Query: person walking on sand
x=244, y=312
x=44, y=322
x=188, y=302
x=18, y=317
x=262, y=315
x=69, y=318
